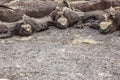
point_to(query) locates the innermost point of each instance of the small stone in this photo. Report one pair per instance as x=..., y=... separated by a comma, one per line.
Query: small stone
x=23, y=38
x=4, y=79
x=63, y=50
x=85, y=41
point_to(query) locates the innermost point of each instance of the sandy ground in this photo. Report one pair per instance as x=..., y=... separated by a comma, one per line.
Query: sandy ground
x=61, y=55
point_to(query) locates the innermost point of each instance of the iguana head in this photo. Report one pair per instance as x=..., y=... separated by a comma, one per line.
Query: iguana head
x=25, y=29
x=105, y=27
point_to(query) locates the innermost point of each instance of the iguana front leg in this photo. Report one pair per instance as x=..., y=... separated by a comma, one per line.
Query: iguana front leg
x=66, y=4
x=94, y=24
x=3, y=31
x=7, y=35
x=79, y=24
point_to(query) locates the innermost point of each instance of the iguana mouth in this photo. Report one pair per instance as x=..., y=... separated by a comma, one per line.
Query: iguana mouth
x=105, y=31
